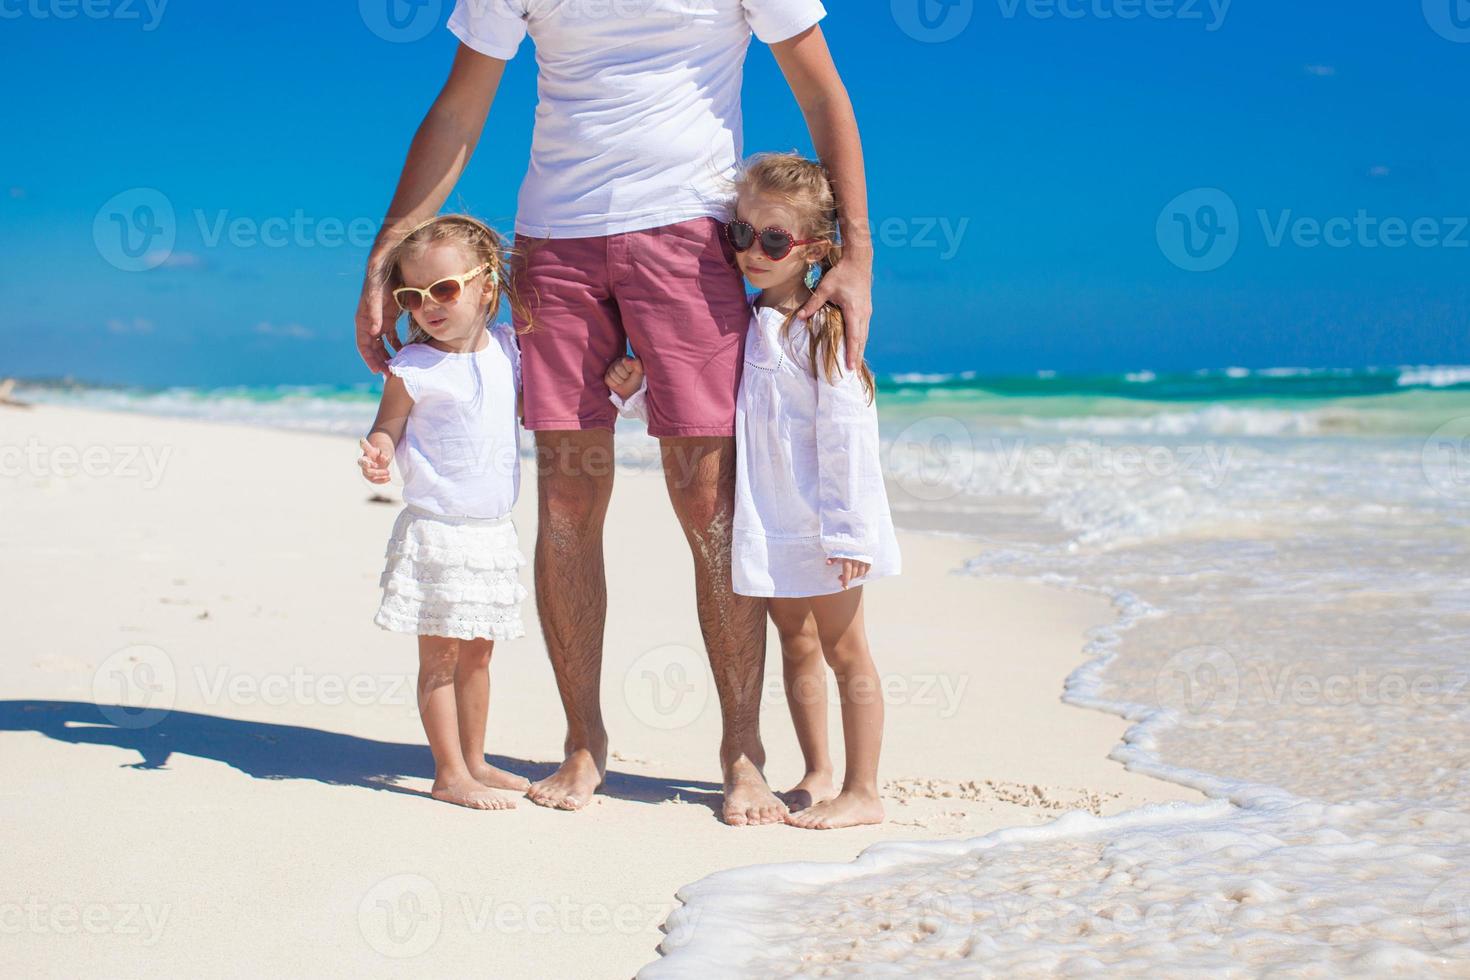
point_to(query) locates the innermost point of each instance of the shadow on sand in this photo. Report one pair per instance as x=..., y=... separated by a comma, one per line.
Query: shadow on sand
x=267, y=751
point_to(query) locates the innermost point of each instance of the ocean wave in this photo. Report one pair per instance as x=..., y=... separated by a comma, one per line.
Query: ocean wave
x=1445, y=376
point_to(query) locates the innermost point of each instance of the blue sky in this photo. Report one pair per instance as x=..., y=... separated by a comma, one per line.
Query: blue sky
x=1026, y=159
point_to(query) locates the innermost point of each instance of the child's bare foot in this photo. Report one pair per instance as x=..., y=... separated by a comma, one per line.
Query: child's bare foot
x=814, y=788
x=470, y=792
x=844, y=810
x=497, y=778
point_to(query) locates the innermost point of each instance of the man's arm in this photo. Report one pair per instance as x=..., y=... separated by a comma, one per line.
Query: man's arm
x=442, y=146
x=808, y=67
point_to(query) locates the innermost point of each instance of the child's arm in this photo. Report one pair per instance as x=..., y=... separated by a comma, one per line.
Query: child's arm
x=848, y=472
x=377, y=448
x=629, y=387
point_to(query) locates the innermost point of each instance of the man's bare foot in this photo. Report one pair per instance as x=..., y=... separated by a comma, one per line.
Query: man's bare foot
x=497, y=778
x=844, y=810
x=815, y=787
x=471, y=793
x=572, y=785
x=749, y=801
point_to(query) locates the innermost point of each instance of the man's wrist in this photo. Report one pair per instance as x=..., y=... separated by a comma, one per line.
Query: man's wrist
x=859, y=253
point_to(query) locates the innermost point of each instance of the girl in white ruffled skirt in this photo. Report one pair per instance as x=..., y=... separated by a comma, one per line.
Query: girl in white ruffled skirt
x=448, y=418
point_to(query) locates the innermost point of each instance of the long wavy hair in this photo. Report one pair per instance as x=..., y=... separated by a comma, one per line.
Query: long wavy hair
x=483, y=243
x=803, y=186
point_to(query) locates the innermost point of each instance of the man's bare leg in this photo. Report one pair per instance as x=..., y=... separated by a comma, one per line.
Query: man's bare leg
x=700, y=474
x=574, y=477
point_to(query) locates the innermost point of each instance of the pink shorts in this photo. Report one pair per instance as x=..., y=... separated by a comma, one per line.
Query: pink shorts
x=673, y=292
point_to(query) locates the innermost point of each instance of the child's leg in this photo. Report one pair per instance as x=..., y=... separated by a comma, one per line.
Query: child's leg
x=839, y=620
x=438, y=661
x=472, y=698
x=805, y=673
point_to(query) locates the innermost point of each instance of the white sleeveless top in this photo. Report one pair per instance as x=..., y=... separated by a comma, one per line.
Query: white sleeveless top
x=460, y=451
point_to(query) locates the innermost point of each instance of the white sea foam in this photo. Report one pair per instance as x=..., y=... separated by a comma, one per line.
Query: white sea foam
x=1434, y=376
x=1291, y=640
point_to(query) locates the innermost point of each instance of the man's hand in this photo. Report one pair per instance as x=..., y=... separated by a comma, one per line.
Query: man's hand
x=849, y=570
x=849, y=287
x=374, y=462
x=624, y=375
x=377, y=325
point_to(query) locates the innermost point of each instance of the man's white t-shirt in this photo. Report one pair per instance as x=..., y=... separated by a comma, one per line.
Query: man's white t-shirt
x=638, y=123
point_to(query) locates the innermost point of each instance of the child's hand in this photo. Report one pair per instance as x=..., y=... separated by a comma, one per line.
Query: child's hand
x=849, y=570
x=374, y=462
x=624, y=376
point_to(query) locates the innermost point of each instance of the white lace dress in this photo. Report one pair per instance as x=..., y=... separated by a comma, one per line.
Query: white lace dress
x=453, y=559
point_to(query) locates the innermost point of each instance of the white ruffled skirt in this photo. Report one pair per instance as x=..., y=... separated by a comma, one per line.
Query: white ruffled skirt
x=453, y=576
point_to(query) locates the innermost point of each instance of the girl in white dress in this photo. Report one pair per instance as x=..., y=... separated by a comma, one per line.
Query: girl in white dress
x=812, y=523
x=448, y=418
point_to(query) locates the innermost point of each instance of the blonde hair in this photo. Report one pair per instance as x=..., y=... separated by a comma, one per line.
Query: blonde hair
x=481, y=241
x=803, y=185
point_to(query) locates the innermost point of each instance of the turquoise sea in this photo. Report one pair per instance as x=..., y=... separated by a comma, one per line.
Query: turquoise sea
x=1271, y=401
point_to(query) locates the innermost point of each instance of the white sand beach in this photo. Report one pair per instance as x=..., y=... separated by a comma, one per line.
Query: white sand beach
x=269, y=817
